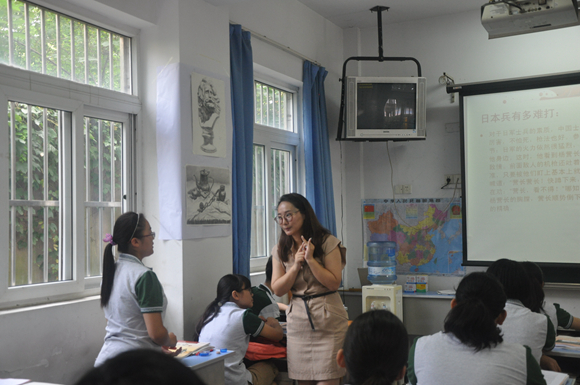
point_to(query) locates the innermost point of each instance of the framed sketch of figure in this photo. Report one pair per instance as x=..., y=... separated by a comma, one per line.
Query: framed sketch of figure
x=208, y=116
x=208, y=195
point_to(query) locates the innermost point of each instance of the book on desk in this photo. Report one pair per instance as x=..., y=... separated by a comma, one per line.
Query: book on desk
x=555, y=378
x=189, y=348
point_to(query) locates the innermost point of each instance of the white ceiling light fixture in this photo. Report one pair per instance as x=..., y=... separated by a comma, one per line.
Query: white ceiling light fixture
x=503, y=18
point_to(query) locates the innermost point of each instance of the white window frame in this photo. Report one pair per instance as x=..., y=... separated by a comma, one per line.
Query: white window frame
x=82, y=17
x=81, y=100
x=273, y=138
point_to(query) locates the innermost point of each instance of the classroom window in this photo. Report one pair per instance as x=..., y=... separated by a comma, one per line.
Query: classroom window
x=274, y=107
x=276, y=144
x=69, y=169
x=104, y=182
x=39, y=201
x=35, y=194
x=41, y=40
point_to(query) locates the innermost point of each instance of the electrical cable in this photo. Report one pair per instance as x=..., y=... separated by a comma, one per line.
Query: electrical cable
x=341, y=213
x=393, y=189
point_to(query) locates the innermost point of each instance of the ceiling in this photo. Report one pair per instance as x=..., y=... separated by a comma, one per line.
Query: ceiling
x=356, y=13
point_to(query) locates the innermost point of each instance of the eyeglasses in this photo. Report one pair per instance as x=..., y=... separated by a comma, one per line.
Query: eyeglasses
x=288, y=216
x=152, y=235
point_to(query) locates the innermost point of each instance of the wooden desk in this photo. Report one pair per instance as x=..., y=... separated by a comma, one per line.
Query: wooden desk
x=210, y=369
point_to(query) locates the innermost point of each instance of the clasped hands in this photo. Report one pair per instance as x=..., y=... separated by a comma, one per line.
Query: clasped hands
x=305, y=252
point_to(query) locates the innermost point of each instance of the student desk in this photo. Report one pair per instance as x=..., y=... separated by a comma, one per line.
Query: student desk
x=210, y=369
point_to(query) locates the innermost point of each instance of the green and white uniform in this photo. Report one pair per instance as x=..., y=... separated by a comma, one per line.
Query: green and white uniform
x=524, y=327
x=231, y=328
x=136, y=290
x=558, y=316
x=264, y=302
x=441, y=359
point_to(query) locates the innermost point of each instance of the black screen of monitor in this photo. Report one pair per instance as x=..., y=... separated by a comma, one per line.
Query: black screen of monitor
x=386, y=106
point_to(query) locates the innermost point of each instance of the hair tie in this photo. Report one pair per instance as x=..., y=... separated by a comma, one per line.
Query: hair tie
x=109, y=239
x=220, y=304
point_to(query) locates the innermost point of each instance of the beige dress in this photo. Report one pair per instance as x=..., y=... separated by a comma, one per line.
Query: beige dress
x=312, y=353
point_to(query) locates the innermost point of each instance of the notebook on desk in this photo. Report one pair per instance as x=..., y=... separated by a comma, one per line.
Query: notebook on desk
x=555, y=378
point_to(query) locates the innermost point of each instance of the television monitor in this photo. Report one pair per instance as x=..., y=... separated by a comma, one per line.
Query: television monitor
x=385, y=108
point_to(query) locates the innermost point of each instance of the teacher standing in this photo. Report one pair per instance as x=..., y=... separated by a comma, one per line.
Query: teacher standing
x=308, y=261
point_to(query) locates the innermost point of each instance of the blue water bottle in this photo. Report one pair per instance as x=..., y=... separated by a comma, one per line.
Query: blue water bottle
x=382, y=263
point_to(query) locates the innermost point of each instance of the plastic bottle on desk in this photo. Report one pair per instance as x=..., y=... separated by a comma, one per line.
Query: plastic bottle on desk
x=382, y=263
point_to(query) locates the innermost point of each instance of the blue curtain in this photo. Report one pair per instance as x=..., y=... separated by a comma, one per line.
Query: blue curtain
x=316, y=146
x=242, y=90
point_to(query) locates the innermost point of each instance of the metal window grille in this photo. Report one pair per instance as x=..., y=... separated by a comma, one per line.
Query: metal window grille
x=259, y=213
x=35, y=151
x=273, y=107
x=103, y=186
x=41, y=40
x=278, y=181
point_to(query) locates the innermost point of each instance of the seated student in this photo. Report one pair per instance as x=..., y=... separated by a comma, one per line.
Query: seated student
x=522, y=326
x=264, y=303
x=558, y=316
x=375, y=349
x=471, y=349
x=140, y=367
x=228, y=323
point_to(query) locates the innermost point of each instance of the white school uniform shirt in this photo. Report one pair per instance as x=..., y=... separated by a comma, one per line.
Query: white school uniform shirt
x=231, y=328
x=136, y=290
x=558, y=316
x=442, y=359
x=522, y=326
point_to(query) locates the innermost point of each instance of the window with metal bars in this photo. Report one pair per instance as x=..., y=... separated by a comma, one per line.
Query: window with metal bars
x=38, y=247
x=69, y=170
x=275, y=164
x=41, y=40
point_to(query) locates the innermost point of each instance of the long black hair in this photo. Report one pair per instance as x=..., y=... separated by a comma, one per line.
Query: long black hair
x=128, y=226
x=227, y=284
x=376, y=348
x=514, y=279
x=311, y=227
x=537, y=293
x=480, y=299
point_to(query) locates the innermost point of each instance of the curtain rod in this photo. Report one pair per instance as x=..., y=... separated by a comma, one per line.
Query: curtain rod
x=283, y=47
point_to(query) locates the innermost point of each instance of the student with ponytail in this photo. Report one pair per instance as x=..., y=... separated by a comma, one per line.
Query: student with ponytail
x=471, y=349
x=375, y=349
x=228, y=323
x=522, y=325
x=131, y=295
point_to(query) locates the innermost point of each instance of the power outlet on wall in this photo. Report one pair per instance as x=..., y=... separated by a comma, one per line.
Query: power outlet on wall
x=452, y=179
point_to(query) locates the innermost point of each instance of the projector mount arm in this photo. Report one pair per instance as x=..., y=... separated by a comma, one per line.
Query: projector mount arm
x=341, y=118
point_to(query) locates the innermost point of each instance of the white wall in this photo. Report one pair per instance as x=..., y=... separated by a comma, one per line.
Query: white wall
x=52, y=343
x=457, y=45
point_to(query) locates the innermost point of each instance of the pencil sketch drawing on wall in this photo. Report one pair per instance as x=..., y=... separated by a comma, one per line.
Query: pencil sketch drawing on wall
x=208, y=195
x=208, y=116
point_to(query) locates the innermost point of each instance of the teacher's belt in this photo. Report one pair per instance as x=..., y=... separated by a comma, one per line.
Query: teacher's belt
x=305, y=298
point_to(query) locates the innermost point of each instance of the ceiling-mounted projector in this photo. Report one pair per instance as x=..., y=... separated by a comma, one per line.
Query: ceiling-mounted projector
x=508, y=18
